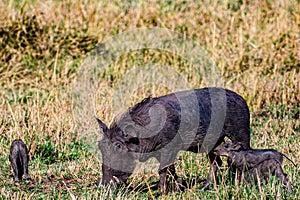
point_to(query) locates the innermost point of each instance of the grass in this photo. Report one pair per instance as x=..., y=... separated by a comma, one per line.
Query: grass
x=255, y=47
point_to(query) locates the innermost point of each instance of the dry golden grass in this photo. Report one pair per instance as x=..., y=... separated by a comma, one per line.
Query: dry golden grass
x=255, y=45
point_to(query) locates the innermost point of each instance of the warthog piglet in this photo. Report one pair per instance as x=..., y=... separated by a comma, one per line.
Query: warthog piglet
x=19, y=160
x=254, y=164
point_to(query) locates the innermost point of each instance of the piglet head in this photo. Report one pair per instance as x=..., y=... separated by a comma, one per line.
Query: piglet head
x=226, y=148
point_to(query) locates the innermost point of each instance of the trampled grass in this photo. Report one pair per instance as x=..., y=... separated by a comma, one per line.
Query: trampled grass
x=255, y=47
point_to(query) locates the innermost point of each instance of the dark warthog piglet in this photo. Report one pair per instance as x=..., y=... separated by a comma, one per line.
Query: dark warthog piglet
x=19, y=160
x=192, y=120
x=254, y=164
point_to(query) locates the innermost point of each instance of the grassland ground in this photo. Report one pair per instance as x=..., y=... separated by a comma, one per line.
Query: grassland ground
x=255, y=46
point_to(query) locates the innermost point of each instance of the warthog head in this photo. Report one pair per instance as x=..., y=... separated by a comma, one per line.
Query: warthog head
x=117, y=149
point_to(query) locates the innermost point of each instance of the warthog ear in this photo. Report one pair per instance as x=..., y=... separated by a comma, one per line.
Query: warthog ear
x=102, y=126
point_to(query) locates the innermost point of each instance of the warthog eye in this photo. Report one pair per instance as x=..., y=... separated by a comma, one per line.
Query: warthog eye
x=118, y=147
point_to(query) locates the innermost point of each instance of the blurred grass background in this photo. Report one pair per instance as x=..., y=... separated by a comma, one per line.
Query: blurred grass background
x=255, y=45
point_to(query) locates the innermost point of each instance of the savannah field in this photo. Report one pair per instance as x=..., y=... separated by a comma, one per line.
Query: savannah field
x=255, y=46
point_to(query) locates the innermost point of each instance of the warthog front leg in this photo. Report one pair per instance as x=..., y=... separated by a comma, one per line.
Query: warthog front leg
x=216, y=162
x=165, y=175
x=167, y=172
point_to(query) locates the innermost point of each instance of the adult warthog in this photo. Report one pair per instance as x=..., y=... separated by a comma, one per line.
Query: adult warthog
x=192, y=120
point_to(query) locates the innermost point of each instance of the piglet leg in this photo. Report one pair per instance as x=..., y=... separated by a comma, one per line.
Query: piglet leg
x=24, y=155
x=14, y=163
x=282, y=176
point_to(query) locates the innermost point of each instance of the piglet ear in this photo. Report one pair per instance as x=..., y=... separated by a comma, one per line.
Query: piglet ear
x=238, y=146
x=102, y=126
